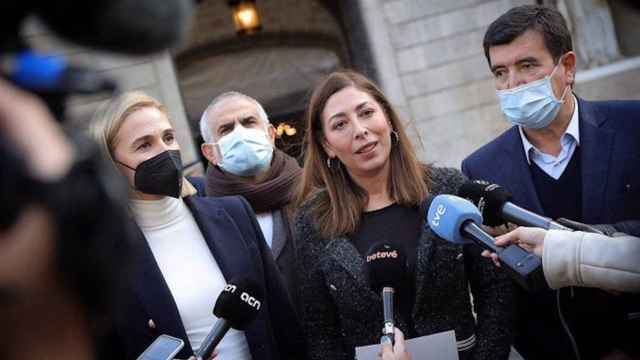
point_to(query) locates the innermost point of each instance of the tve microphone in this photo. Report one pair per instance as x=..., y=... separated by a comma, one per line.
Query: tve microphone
x=456, y=220
x=494, y=202
x=386, y=268
x=237, y=306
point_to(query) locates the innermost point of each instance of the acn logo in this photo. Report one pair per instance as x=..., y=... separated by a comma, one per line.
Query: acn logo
x=253, y=302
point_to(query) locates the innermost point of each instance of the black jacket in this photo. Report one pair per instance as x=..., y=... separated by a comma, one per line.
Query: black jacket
x=610, y=166
x=340, y=311
x=236, y=242
x=283, y=245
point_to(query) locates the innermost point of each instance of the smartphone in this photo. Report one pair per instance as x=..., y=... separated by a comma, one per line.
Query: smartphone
x=165, y=347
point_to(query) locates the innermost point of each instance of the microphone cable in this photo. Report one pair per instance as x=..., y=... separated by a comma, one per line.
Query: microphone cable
x=565, y=326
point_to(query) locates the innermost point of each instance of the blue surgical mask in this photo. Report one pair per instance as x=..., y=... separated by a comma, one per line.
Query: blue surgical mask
x=245, y=152
x=532, y=105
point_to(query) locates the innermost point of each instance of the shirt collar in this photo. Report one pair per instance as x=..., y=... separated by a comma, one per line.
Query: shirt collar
x=573, y=130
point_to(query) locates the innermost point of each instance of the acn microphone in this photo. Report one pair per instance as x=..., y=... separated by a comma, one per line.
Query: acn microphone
x=237, y=306
x=494, y=202
x=457, y=221
x=386, y=267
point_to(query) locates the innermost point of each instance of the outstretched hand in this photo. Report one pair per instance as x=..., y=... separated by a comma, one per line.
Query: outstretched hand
x=396, y=351
x=528, y=238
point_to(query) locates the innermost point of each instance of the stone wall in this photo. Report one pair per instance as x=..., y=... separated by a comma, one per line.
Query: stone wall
x=431, y=63
x=434, y=66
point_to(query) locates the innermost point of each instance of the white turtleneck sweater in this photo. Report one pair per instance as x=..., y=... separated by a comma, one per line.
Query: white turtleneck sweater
x=189, y=269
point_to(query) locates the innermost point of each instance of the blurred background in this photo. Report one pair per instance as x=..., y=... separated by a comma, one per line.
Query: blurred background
x=426, y=55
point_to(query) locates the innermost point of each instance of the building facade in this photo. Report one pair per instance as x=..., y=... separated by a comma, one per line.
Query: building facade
x=426, y=54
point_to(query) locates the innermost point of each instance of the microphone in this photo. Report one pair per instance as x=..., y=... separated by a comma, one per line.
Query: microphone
x=385, y=266
x=456, y=220
x=237, y=306
x=494, y=202
x=49, y=74
x=124, y=26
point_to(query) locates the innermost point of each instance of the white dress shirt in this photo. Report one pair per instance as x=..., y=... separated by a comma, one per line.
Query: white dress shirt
x=552, y=165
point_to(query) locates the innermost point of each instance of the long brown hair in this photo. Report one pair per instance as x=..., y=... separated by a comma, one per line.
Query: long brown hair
x=338, y=201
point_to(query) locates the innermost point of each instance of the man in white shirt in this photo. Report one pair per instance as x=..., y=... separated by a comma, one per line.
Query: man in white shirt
x=239, y=143
x=564, y=157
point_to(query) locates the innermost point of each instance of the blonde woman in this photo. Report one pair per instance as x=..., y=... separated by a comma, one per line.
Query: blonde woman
x=188, y=247
x=362, y=184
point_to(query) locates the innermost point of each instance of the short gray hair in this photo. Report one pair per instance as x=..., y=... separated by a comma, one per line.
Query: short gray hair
x=205, y=131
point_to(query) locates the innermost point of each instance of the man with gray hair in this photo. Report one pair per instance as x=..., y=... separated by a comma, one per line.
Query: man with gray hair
x=239, y=143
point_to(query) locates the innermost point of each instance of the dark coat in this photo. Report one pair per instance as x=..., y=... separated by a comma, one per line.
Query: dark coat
x=236, y=242
x=610, y=163
x=283, y=246
x=340, y=310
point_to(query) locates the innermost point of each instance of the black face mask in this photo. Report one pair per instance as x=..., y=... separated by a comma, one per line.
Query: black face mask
x=160, y=175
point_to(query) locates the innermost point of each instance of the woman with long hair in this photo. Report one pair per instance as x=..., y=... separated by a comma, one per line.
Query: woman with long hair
x=188, y=246
x=362, y=186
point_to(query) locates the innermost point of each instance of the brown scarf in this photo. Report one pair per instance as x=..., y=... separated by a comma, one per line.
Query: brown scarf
x=266, y=192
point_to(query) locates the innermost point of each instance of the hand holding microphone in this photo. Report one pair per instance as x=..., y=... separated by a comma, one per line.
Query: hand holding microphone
x=458, y=221
x=529, y=238
x=386, y=267
x=395, y=351
x=237, y=306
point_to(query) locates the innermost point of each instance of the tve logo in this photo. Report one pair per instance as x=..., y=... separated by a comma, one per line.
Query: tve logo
x=253, y=302
x=440, y=211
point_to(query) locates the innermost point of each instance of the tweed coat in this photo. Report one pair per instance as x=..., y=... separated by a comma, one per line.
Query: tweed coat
x=340, y=311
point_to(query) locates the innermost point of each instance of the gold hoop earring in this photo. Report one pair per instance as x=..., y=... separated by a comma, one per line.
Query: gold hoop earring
x=396, y=136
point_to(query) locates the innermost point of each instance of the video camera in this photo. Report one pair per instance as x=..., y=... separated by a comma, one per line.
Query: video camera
x=88, y=205
x=133, y=27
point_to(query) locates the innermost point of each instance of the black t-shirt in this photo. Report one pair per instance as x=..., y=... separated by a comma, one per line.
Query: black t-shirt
x=399, y=226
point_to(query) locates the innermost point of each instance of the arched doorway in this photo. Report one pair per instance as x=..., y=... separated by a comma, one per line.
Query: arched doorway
x=300, y=41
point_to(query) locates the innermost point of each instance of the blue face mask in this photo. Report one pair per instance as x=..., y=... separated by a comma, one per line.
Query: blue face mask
x=532, y=105
x=245, y=152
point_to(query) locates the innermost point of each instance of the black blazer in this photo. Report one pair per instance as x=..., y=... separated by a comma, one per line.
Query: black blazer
x=233, y=235
x=610, y=161
x=283, y=246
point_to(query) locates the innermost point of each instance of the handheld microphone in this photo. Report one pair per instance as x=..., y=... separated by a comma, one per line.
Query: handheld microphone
x=237, y=306
x=50, y=74
x=456, y=220
x=385, y=267
x=494, y=202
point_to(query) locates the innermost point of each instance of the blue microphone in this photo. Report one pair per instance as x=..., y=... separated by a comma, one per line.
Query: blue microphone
x=52, y=74
x=456, y=220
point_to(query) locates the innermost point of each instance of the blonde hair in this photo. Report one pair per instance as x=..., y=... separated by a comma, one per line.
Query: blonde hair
x=110, y=116
x=339, y=201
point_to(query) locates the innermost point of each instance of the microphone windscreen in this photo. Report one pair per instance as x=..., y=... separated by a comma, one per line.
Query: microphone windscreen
x=448, y=213
x=126, y=26
x=385, y=266
x=489, y=198
x=240, y=302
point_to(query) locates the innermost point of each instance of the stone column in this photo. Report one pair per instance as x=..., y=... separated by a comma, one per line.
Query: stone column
x=383, y=57
x=594, y=36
